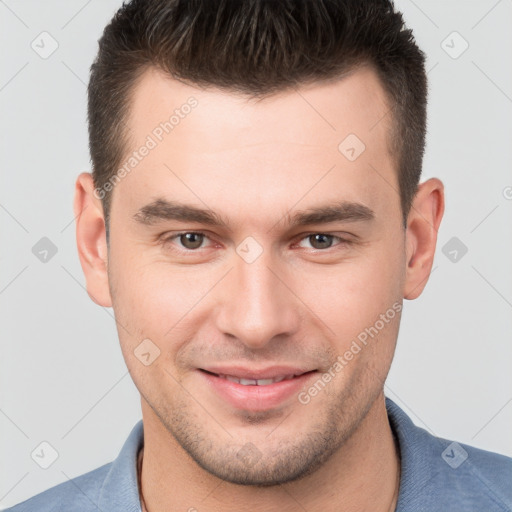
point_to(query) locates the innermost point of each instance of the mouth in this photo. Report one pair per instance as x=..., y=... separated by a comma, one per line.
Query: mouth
x=252, y=391
x=254, y=381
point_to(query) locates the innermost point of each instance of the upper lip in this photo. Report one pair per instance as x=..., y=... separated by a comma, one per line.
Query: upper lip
x=256, y=373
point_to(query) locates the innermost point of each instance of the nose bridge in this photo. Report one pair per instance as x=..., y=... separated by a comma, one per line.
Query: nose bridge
x=257, y=306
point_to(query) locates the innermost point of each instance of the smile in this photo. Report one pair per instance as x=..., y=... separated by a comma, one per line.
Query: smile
x=256, y=392
x=255, y=382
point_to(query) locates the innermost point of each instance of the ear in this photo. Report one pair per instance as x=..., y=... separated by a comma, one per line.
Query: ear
x=91, y=239
x=421, y=235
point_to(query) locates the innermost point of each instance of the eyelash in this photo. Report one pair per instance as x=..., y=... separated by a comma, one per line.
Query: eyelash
x=341, y=241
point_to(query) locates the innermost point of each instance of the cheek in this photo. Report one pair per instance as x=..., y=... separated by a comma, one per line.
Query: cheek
x=154, y=299
x=350, y=297
x=150, y=304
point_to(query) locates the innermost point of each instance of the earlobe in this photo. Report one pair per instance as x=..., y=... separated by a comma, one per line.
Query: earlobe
x=91, y=240
x=421, y=235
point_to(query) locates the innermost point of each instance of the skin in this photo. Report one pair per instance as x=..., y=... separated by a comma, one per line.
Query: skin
x=256, y=163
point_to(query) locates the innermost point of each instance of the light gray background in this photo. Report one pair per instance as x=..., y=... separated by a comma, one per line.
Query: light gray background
x=63, y=379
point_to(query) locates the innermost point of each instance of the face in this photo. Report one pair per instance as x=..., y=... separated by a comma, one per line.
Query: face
x=248, y=242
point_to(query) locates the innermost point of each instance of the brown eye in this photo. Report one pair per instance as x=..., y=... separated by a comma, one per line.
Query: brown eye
x=320, y=240
x=191, y=240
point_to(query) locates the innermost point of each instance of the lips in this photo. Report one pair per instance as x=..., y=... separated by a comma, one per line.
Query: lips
x=271, y=372
x=253, y=389
x=254, y=382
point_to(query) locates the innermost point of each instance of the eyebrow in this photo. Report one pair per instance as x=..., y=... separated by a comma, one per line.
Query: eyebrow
x=343, y=211
x=161, y=210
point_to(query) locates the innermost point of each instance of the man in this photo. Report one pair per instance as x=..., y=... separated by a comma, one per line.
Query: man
x=255, y=219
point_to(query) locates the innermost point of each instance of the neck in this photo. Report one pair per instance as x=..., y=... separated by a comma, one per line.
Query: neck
x=362, y=476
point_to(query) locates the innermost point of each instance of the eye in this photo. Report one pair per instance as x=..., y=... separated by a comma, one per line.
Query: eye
x=321, y=240
x=189, y=240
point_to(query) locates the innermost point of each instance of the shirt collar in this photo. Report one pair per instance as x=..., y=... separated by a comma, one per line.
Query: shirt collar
x=120, y=491
x=416, y=453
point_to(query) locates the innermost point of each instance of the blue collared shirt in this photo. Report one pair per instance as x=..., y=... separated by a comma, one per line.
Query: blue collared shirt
x=437, y=475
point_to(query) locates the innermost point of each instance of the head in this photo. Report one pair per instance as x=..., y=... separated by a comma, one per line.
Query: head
x=255, y=204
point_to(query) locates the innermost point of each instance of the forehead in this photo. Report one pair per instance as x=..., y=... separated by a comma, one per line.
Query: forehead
x=328, y=140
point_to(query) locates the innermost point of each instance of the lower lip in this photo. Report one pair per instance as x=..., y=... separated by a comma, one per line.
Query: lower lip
x=256, y=398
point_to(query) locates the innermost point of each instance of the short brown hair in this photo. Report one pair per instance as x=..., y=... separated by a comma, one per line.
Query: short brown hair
x=257, y=47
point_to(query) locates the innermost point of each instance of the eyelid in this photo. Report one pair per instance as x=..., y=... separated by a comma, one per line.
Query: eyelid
x=342, y=240
x=166, y=238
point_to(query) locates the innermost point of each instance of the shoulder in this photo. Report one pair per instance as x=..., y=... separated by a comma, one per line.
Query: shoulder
x=493, y=470
x=80, y=494
x=441, y=474
x=466, y=478
x=110, y=487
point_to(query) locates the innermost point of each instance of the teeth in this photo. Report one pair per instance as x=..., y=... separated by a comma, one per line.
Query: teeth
x=256, y=382
x=248, y=382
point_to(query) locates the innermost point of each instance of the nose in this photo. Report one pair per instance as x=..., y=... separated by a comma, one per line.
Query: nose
x=257, y=303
